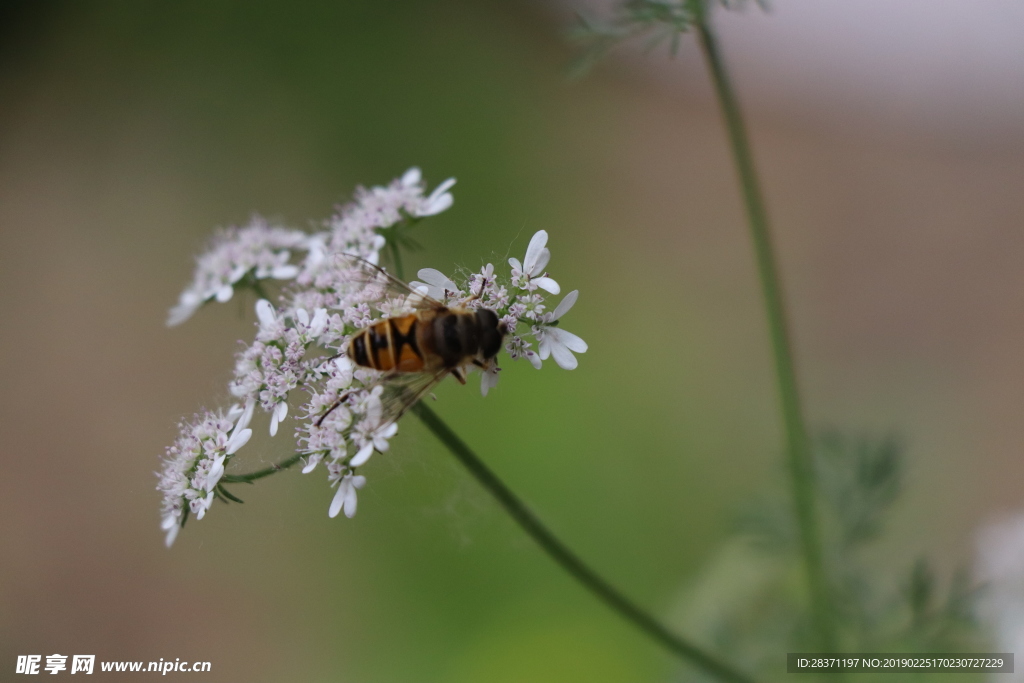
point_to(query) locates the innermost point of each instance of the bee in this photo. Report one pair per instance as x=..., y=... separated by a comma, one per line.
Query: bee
x=416, y=350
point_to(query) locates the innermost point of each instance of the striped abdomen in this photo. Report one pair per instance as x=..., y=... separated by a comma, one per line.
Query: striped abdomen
x=428, y=340
x=389, y=344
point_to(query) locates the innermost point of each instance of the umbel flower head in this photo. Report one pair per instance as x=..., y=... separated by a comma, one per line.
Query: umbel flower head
x=333, y=290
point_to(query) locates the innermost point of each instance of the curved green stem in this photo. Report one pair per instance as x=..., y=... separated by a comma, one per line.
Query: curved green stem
x=259, y=474
x=568, y=560
x=801, y=466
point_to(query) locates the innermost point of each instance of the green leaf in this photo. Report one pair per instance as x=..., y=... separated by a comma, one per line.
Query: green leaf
x=224, y=492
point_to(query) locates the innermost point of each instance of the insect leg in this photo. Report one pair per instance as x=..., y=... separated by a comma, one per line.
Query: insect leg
x=476, y=296
x=341, y=399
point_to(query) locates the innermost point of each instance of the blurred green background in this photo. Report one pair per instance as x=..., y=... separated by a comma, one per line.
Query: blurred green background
x=128, y=131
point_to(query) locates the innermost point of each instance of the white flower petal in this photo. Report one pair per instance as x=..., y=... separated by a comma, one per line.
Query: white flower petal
x=542, y=261
x=437, y=205
x=179, y=314
x=204, y=505
x=565, y=304
x=172, y=534
x=547, y=284
x=439, y=200
x=563, y=357
x=381, y=436
x=302, y=316
x=188, y=303
x=169, y=522
x=442, y=188
x=215, y=473
x=224, y=293
x=568, y=339
x=374, y=409
x=265, y=312
x=237, y=440
x=533, y=251
x=514, y=262
x=319, y=324
x=358, y=481
x=534, y=359
x=246, y=418
x=544, y=345
x=311, y=463
x=285, y=272
x=350, y=502
x=488, y=380
x=339, y=499
x=316, y=245
x=362, y=456
x=234, y=412
x=280, y=412
x=436, y=278
x=412, y=177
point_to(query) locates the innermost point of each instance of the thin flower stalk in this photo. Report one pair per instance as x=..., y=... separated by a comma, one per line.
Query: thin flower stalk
x=800, y=462
x=570, y=562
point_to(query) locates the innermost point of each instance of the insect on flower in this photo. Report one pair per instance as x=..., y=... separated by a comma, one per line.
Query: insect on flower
x=360, y=344
x=416, y=350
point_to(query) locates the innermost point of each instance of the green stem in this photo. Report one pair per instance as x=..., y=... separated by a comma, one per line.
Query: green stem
x=259, y=474
x=396, y=257
x=568, y=560
x=801, y=466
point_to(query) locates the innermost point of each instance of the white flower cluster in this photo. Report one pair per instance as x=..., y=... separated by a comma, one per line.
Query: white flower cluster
x=302, y=341
x=520, y=301
x=257, y=250
x=261, y=251
x=195, y=464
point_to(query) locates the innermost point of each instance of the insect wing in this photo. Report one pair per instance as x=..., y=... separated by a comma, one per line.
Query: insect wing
x=399, y=391
x=402, y=390
x=365, y=282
